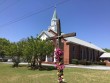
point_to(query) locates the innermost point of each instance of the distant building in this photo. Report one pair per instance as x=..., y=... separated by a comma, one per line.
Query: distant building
x=73, y=47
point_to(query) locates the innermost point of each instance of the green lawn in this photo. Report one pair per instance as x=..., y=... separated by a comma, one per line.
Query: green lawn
x=72, y=75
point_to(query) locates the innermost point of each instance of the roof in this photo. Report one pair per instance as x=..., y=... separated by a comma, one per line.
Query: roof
x=105, y=55
x=49, y=34
x=83, y=43
x=76, y=41
x=46, y=33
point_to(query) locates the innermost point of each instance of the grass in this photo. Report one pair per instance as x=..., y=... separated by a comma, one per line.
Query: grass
x=72, y=75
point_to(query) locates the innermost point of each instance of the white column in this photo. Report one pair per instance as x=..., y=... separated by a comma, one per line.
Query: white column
x=54, y=55
x=54, y=59
x=46, y=59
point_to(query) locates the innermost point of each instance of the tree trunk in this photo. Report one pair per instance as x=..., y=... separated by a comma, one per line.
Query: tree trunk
x=16, y=61
x=33, y=62
x=39, y=63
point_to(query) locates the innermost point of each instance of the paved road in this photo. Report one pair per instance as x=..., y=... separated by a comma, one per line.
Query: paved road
x=77, y=66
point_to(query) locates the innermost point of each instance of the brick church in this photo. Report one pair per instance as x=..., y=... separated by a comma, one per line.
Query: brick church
x=73, y=47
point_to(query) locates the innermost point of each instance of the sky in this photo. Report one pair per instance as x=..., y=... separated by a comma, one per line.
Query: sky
x=90, y=19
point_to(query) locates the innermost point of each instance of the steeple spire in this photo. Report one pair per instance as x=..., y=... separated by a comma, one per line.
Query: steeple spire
x=55, y=15
x=54, y=20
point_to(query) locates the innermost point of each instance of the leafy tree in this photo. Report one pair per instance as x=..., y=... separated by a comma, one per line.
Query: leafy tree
x=4, y=43
x=106, y=49
x=44, y=48
x=36, y=49
x=32, y=49
x=14, y=50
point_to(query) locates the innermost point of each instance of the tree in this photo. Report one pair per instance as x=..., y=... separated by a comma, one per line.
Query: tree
x=4, y=43
x=14, y=50
x=32, y=49
x=36, y=49
x=106, y=49
x=44, y=48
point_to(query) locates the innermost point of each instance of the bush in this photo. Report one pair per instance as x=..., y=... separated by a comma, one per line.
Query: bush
x=88, y=63
x=101, y=63
x=85, y=62
x=74, y=61
x=95, y=63
x=82, y=62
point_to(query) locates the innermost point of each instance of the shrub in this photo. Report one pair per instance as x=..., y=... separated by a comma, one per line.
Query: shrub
x=85, y=62
x=95, y=63
x=88, y=63
x=101, y=63
x=82, y=62
x=74, y=61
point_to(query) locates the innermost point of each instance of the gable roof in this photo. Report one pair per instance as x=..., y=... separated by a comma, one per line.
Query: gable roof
x=76, y=41
x=83, y=43
x=48, y=34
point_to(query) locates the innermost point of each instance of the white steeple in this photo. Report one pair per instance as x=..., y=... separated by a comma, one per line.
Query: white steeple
x=54, y=16
x=54, y=21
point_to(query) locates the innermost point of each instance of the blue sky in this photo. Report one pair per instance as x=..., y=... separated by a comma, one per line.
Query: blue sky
x=90, y=19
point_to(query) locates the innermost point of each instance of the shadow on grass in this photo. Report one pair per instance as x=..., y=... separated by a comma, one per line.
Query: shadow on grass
x=13, y=66
x=48, y=68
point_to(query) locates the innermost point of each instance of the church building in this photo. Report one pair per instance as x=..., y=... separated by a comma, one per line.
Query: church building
x=73, y=47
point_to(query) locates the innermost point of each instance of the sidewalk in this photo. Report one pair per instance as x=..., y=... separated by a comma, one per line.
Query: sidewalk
x=98, y=67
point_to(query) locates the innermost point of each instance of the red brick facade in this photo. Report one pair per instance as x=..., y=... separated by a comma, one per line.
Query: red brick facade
x=75, y=51
x=66, y=53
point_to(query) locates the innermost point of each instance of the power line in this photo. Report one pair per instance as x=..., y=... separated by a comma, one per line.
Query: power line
x=9, y=6
x=29, y=15
x=23, y=17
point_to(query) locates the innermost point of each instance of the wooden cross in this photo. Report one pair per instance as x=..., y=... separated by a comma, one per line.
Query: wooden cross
x=59, y=36
x=59, y=63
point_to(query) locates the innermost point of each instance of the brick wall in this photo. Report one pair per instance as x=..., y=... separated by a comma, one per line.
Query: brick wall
x=66, y=53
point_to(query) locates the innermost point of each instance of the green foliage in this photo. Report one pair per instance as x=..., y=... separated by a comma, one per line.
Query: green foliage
x=35, y=49
x=88, y=62
x=101, y=63
x=85, y=62
x=4, y=43
x=27, y=48
x=74, y=61
x=106, y=49
x=82, y=62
